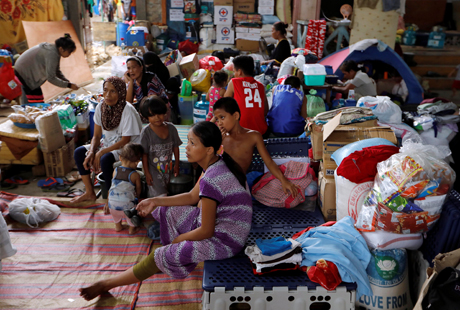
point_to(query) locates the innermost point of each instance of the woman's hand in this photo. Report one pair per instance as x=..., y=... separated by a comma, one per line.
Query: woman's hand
x=127, y=78
x=146, y=207
x=97, y=160
x=178, y=239
x=148, y=178
x=74, y=86
x=88, y=162
x=290, y=187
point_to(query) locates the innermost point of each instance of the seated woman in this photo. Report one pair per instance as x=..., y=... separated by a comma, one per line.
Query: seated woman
x=282, y=49
x=154, y=64
x=116, y=123
x=143, y=84
x=357, y=80
x=216, y=229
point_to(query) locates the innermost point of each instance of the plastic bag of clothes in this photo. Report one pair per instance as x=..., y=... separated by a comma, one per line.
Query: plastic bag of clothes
x=201, y=80
x=409, y=191
x=33, y=211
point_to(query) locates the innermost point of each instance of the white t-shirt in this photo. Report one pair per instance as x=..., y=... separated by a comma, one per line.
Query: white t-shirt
x=364, y=85
x=130, y=126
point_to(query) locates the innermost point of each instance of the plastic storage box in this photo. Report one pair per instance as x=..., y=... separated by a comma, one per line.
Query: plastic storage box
x=186, y=104
x=314, y=74
x=230, y=284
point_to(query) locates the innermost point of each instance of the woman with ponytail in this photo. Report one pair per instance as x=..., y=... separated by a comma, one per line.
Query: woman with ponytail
x=40, y=64
x=217, y=228
x=282, y=49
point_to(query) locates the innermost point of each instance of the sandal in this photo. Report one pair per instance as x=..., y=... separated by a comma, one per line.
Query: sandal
x=5, y=186
x=56, y=188
x=18, y=180
x=71, y=193
x=49, y=182
x=66, y=181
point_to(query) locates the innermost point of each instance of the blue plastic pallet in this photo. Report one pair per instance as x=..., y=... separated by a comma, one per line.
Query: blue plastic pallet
x=445, y=235
x=281, y=147
x=263, y=233
x=269, y=217
x=237, y=272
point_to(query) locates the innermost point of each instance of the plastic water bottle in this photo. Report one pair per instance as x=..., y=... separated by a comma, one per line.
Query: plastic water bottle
x=200, y=110
x=123, y=48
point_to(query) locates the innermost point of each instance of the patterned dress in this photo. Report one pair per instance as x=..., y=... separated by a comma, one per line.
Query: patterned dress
x=214, y=95
x=233, y=222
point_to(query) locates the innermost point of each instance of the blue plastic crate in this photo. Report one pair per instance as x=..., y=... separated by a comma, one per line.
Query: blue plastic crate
x=262, y=233
x=445, y=235
x=269, y=218
x=237, y=272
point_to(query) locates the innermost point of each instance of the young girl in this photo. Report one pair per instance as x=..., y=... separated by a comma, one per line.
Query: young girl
x=126, y=186
x=216, y=91
x=216, y=229
x=159, y=140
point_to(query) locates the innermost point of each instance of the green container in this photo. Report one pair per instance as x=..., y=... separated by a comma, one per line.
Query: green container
x=186, y=89
x=66, y=116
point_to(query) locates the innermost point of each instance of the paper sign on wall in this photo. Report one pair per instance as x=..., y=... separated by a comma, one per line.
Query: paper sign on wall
x=176, y=15
x=177, y=3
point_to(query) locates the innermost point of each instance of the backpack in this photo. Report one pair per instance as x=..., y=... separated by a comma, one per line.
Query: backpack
x=268, y=189
x=444, y=292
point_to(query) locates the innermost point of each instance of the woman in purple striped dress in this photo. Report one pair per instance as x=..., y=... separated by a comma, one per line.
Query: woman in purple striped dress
x=217, y=228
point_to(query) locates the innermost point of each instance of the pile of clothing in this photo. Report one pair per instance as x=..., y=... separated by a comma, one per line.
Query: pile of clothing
x=270, y=255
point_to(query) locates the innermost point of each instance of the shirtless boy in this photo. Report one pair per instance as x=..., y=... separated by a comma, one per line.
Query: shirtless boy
x=239, y=142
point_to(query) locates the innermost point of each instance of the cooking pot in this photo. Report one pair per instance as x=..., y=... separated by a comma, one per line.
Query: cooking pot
x=181, y=184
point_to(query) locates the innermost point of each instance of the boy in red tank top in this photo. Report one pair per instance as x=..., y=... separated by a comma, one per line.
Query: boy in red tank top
x=250, y=95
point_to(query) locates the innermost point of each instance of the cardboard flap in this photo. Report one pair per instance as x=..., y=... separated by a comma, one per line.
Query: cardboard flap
x=330, y=126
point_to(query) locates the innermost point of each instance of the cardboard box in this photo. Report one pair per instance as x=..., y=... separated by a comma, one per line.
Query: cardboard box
x=223, y=14
x=335, y=137
x=247, y=7
x=61, y=161
x=21, y=47
x=225, y=34
x=266, y=10
x=267, y=3
x=247, y=45
x=317, y=137
x=255, y=30
x=188, y=65
x=173, y=69
x=327, y=201
x=248, y=36
x=51, y=136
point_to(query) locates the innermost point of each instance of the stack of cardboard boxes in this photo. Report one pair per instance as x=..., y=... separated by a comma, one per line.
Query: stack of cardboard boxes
x=328, y=138
x=266, y=7
x=223, y=19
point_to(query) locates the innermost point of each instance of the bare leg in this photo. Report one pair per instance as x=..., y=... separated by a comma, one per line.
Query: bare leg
x=125, y=278
x=118, y=226
x=89, y=195
x=133, y=230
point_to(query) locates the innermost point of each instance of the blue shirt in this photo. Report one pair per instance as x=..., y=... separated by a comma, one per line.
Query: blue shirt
x=284, y=117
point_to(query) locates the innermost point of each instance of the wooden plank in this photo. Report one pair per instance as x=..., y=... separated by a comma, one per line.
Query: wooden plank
x=104, y=31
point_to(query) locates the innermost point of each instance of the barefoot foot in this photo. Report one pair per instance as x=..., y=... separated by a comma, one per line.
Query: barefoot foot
x=85, y=197
x=133, y=230
x=118, y=226
x=93, y=291
x=106, y=209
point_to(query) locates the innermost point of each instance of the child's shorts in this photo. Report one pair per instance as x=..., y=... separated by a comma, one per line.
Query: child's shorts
x=456, y=84
x=119, y=215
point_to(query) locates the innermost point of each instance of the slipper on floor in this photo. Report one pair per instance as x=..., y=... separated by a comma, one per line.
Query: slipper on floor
x=66, y=181
x=56, y=188
x=49, y=182
x=71, y=193
x=6, y=186
x=18, y=181
x=73, y=177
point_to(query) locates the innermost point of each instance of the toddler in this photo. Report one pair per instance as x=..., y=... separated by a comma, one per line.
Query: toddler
x=159, y=140
x=216, y=91
x=126, y=187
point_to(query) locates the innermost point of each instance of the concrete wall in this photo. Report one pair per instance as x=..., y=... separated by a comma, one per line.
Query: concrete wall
x=374, y=24
x=153, y=10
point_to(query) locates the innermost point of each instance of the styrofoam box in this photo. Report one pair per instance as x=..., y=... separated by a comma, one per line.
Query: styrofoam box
x=248, y=36
x=223, y=15
x=266, y=2
x=279, y=298
x=225, y=34
x=255, y=30
x=241, y=29
x=266, y=10
x=314, y=74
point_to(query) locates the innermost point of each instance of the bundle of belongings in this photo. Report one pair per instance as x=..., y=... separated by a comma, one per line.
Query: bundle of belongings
x=408, y=193
x=269, y=255
x=348, y=116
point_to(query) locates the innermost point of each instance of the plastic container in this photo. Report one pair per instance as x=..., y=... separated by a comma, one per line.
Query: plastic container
x=66, y=116
x=200, y=109
x=122, y=28
x=186, y=89
x=186, y=104
x=329, y=70
x=436, y=39
x=135, y=38
x=350, y=103
x=314, y=74
x=409, y=37
x=162, y=41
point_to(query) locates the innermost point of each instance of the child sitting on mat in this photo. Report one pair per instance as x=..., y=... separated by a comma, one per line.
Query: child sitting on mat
x=126, y=187
x=160, y=140
x=240, y=142
x=216, y=229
